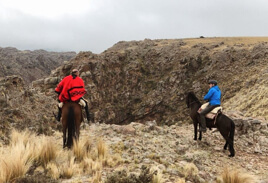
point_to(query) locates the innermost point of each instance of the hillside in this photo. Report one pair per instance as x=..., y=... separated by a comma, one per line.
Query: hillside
x=144, y=80
x=30, y=65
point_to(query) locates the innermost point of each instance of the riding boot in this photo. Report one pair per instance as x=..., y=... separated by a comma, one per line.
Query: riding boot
x=87, y=112
x=202, y=127
x=59, y=114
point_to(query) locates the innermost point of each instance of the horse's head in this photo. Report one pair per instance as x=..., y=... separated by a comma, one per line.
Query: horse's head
x=191, y=98
x=188, y=99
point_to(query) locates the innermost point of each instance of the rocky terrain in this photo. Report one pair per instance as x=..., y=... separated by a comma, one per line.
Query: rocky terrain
x=30, y=65
x=148, y=80
x=169, y=149
x=142, y=85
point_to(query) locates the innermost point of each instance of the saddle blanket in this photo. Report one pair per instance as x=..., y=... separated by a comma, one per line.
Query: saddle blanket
x=211, y=114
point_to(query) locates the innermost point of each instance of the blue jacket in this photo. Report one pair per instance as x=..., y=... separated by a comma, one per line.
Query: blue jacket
x=213, y=96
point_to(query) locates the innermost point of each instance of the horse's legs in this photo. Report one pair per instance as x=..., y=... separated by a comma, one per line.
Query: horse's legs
x=195, y=130
x=229, y=141
x=231, y=149
x=225, y=146
x=64, y=136
x=200, y=134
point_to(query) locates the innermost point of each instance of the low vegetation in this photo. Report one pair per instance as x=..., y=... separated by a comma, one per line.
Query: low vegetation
x=235, y=176
x=32, y=154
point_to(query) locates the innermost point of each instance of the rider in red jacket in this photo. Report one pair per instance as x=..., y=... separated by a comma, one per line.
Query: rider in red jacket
x=71, y=88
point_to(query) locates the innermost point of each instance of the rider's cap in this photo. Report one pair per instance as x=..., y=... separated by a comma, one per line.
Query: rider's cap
x=212, y=82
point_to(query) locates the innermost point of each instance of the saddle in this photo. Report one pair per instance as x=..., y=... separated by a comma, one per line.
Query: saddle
x=81, y=102
x=211, y=114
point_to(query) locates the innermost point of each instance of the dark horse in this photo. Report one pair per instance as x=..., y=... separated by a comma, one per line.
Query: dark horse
x=224, y=124
x=71, y=120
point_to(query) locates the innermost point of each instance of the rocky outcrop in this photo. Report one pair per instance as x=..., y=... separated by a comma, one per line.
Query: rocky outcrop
x=23, y=107
x=30, y=65
x=148, y=80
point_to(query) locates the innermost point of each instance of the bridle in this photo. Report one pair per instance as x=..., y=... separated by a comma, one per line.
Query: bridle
x=192, y=102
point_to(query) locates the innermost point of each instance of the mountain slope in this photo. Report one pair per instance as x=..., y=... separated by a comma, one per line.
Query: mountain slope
x=144, y=80
x=30, y=65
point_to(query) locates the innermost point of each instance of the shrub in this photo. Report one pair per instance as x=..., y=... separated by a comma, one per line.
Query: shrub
x=235, y=176
x=122, y=176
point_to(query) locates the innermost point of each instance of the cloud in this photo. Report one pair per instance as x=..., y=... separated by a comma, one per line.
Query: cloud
x=95, y=25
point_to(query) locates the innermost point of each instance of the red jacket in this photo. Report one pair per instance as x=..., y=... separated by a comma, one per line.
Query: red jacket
x=70, y=89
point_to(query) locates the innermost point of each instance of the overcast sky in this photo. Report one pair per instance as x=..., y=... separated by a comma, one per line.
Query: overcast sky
x=95, y=25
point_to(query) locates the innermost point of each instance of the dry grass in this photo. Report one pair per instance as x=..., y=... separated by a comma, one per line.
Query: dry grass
x=114, y=160
x=190, y=170
x=96, y=177
x=81, y=148
x=67, y=169
x=27, y=149
x=47, y=151
x=101, y=148
x=87, y=165
x=235, y=176
x=158, y=178
x=253, y=102
x=53, y=170
x=230, y=41
x=16, y=162
x=23, y=136
x=180, y=180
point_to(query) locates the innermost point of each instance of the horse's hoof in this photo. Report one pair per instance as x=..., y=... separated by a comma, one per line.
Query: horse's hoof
x=195, y=138
x=200, y=139
x=231, y=155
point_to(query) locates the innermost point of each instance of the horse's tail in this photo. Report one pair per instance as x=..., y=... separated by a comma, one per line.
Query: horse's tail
x=71, y=126
x=232, y=132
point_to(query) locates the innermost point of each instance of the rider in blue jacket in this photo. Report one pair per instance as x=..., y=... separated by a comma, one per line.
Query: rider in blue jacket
x=214, y=98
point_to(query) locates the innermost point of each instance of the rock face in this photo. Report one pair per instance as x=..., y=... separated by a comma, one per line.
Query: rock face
x=30, y=65
x=148, y=80
x=23, y=107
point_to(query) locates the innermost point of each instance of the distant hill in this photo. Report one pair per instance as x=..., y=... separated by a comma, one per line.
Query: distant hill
x=30, y=65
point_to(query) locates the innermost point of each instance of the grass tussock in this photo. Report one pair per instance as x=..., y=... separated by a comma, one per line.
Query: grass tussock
x=101, y=148
x=122, y=176
x=190, y=170
x=16, y=162
x=87, y=165
x=47, y=151
x=81, y=148
x=67, y=169
x=96, y=177
x=53, y=170
x=20, y=136
x=235, y=176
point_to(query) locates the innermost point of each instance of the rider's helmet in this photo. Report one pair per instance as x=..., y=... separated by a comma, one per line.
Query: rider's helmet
x=213, y=82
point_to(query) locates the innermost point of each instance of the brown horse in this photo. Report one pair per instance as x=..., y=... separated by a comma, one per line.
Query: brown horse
x=224, y=124
x=71, y=120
